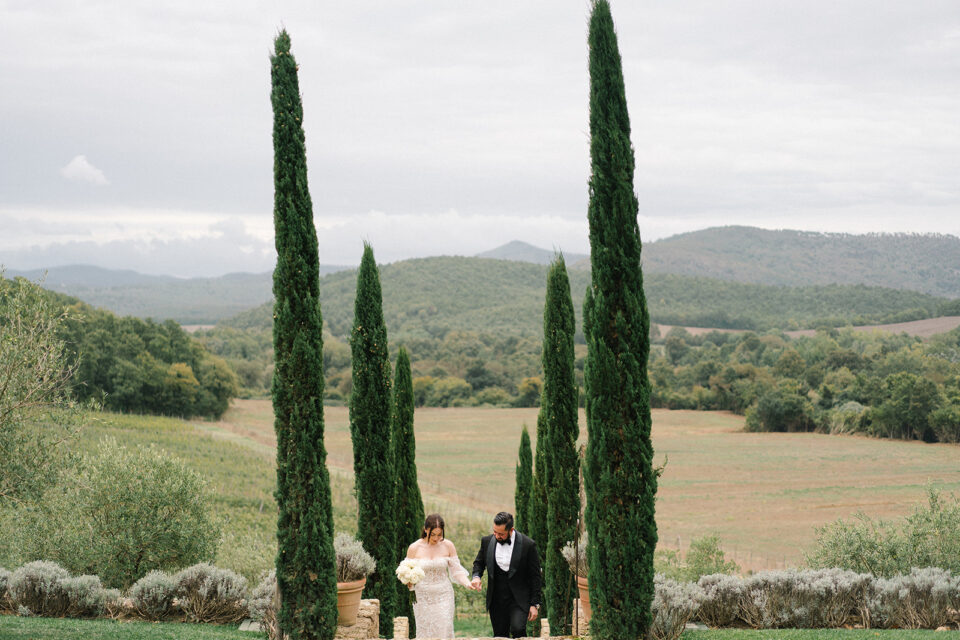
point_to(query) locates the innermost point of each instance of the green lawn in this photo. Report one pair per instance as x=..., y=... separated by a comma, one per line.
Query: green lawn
x=16, y=628
x=816, y=634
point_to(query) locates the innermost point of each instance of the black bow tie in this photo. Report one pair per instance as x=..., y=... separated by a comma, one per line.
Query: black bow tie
x=499, y=541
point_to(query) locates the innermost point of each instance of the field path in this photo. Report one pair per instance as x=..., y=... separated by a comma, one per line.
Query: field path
x=762, y=493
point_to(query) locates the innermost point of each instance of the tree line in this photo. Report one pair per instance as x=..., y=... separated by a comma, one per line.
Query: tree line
x=838, y=381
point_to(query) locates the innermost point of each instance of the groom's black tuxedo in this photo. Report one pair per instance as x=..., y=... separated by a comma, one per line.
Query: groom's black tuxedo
x=519, y=588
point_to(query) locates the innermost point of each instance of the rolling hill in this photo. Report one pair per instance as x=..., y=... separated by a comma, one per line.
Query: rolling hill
x=919, y=262
x=426, y=297
x=720, y=270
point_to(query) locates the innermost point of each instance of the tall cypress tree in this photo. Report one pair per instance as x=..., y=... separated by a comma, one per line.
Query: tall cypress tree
x=306, y=573
x=559, y=400
x=373, y=464
x=537, y=512
x=408, y=501
x=620, y=479
x=521, y=494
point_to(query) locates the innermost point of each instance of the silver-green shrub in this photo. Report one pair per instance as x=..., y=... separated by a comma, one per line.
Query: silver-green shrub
x=576, y=556
x=924, y=599
x=809, y=599
x=153, y=595
x=87, y=597
x=209, y=594
x=720, y=605
x=261, y=598
x=38, y=587
x=674, y=605
x=124, y=513
x=353, y=562
x=925, y=538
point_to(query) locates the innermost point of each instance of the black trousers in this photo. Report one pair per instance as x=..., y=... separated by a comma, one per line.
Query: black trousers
x=508, y=620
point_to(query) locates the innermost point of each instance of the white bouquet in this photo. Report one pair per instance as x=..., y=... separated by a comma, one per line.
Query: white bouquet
x=410, y=573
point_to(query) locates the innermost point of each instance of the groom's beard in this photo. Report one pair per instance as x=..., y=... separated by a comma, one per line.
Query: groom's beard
x=499, y=541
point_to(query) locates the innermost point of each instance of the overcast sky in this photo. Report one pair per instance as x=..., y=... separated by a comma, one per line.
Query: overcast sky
x=137, y=134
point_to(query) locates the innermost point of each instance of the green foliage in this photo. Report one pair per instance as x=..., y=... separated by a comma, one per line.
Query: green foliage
x=407, y=498
x=781, y=408
x=703, y=558
x=619, y=476
x=122, y=514
x=905, y=410
x=537, y=511
x=560, y=403
x=524, y=482
x=37, y=418
x=476, y=319
x=370, y=430
x=305, y=564
x=926, y=538
x=140, y=366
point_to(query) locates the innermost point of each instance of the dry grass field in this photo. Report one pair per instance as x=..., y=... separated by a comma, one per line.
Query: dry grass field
x=762, y=493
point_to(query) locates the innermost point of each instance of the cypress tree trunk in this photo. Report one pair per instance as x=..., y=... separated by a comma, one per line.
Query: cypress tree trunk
x=620, y=480
x=408, y=501
x=306, y=573
x=370, y=427
x=560, y=403
x=521, y=495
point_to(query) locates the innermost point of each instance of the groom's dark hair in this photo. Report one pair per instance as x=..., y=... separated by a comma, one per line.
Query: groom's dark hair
x=504, y=518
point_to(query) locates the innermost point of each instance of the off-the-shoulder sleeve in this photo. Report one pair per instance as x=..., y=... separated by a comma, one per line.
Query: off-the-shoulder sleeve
x=458, y=574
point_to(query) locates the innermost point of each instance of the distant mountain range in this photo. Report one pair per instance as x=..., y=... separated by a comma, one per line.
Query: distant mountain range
x=522, y=252
x=925, y=263
x=186, y=300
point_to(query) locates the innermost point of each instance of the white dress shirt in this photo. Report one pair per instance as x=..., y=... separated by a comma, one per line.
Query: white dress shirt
x=504, y=551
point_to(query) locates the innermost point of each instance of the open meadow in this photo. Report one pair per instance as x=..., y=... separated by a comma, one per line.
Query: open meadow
x=763, y=494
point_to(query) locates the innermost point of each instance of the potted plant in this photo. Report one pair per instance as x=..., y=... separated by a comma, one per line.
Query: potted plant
x=354, y=564
x=576, y=557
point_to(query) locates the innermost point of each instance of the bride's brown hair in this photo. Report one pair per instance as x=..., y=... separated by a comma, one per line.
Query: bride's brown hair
x=433, y=521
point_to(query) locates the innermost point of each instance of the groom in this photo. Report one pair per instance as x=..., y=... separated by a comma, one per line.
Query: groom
x=514, y=582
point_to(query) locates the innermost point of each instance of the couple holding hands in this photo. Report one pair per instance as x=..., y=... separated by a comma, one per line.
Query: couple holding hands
x=514, y=581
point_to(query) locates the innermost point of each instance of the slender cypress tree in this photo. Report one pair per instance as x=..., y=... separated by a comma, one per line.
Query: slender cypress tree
x=620, y=480
x=521, y=495
x=537, y=512
x=408, y=501
x=563, y=465
x=373, y=464
x=306, y=573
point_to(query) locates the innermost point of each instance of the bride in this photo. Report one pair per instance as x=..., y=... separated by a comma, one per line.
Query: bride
x=437, y=556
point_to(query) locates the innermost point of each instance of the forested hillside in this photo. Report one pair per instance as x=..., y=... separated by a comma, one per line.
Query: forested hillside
x=128, y=364
x=473, y=325
x=924, y=263
x=425, y=298
x=920, y=262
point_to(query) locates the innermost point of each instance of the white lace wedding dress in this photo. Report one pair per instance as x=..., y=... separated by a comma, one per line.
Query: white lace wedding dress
x=433, y=609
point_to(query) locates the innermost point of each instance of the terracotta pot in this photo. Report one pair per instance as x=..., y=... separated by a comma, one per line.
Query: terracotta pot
x=584, y=597
x=348, y=601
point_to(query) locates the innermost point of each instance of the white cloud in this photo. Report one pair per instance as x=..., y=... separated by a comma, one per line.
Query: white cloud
x=80, y=170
